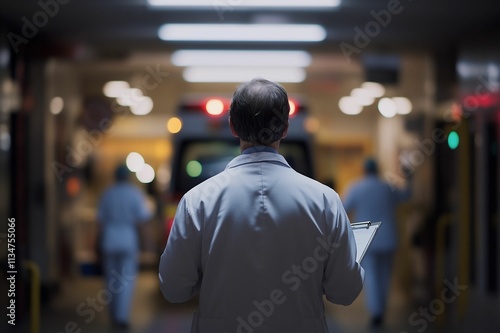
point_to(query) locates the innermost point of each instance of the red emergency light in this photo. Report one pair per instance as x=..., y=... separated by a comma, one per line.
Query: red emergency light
x=217, y=106
x=293, y=107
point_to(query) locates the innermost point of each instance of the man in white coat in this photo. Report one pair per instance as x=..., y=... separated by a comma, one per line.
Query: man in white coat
x=259, y=242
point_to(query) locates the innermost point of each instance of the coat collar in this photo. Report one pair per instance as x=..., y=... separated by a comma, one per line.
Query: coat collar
x=257, y=158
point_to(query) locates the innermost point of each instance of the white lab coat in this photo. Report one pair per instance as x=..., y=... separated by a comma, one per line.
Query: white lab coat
x=261, y=244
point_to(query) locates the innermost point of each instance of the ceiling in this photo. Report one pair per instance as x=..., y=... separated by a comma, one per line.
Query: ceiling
x=115, y=28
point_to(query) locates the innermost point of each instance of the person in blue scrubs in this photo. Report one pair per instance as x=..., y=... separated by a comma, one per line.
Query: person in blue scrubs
x=372, y=199
x=121, y=208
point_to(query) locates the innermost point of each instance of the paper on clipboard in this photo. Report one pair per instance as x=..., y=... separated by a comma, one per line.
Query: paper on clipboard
x=363, y=234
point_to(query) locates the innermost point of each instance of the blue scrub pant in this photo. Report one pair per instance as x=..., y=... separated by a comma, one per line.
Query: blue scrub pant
x=120, y=271
x=378, y=270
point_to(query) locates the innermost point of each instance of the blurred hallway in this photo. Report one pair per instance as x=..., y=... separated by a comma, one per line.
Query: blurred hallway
x=415, y=84
x=152, y=314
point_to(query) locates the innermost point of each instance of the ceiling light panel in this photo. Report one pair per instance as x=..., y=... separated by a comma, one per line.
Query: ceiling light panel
x=248, y=4
x=244, y=58
x=242, y=74
x=243, y=32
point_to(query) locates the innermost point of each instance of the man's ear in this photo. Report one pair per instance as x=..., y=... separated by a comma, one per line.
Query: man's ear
x=285, y=132
x=233, y=132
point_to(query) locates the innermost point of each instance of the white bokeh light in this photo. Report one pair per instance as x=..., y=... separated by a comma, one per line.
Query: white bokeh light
x=130, y=97
x=142, y=106
x=362, y=96
x=387, y=107
x=56, y=105
x=146, y=174
x=403, y=105
x=349, y=105
x=375, y=89
x=134, y=161
x=115, y=88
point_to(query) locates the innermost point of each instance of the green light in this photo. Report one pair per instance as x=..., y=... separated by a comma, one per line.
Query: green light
x=193, y=168
x=453, y=140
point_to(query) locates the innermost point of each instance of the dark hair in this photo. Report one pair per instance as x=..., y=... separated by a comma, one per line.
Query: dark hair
x=122, y=173
x=370, y=166
x=259, y=111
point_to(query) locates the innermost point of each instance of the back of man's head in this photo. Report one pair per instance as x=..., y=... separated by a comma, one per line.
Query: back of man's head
x=259, y=111
x=370, y=166
x=122, y=173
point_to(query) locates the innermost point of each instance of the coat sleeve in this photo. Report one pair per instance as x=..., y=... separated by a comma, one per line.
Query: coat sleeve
x=180, y=263
x=343, y=276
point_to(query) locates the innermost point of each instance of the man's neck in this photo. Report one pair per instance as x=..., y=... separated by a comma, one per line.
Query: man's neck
x=245, y=144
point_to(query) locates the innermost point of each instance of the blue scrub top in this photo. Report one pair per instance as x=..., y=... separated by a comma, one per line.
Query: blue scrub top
x=372, y=199
x=121, y=208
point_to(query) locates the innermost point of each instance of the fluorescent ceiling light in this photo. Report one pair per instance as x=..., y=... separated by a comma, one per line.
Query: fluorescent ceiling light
x=243, y=32
x=242, y=74
x=241, y=58
x=235, y=5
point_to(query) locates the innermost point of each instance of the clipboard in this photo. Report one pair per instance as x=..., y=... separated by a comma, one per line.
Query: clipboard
x=363, y=234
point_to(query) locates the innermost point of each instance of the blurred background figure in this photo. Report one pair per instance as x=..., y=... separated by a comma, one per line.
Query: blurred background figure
x=121, y=208
x=372, y=199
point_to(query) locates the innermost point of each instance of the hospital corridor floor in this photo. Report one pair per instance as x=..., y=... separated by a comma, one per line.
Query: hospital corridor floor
x=152, y=314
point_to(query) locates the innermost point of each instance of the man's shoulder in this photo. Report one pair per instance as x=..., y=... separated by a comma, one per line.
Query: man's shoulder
x=315, y=188
x=211, y=185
